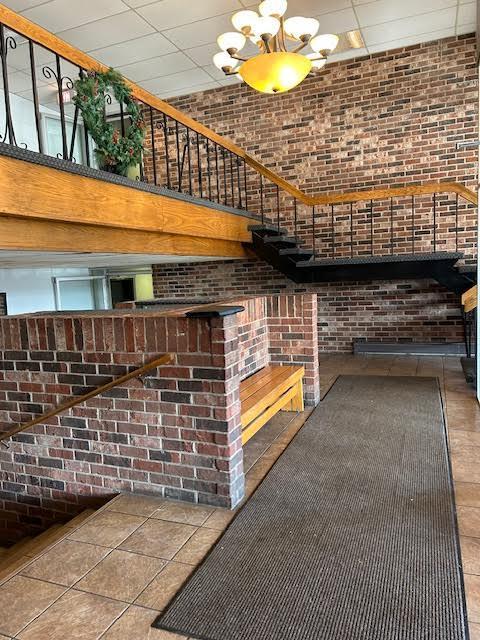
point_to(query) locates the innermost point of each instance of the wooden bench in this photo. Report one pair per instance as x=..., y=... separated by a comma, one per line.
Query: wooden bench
x=268, y=391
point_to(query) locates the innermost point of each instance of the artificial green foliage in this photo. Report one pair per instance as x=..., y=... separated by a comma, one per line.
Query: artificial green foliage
x=115, y=153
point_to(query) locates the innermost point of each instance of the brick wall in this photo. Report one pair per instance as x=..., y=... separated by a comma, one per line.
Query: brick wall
x=385, y=120
x=175, y=433
x=418, y=311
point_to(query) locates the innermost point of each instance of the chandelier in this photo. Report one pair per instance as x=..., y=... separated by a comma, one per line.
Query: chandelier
x=281, y=63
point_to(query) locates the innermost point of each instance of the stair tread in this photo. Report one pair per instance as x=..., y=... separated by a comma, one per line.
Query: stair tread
x=402, y=257
x=78, y=519
x=279, y=238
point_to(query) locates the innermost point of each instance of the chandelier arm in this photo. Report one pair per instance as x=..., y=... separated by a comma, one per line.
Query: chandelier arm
x=235, y=56
x=266, y=42
x=301, y=46
x=281, y=35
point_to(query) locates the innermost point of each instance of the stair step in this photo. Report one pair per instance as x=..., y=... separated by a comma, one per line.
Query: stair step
x=26, y=549
x=295, y=251
x=386, y=259
x=77, y=520
x=267, y=228
x=280, y=240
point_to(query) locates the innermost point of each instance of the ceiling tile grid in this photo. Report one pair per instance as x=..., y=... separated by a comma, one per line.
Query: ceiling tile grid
x=167, y=45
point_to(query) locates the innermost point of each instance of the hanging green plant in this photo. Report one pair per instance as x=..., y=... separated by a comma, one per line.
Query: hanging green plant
x=115, y=152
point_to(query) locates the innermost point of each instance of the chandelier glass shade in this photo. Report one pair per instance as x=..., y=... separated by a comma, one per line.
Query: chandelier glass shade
x=283, y=60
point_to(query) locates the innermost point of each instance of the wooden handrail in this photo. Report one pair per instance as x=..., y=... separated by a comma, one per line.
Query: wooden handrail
x=44, y=38
x=158, y=362
x=469, y=299
x=395, y=192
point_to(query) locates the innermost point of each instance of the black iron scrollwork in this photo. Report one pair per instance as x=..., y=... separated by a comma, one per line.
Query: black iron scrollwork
x=7, y=43
x=64, y=83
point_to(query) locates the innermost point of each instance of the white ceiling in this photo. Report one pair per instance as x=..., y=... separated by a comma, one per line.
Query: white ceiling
x=167, y=45
x=31, y=259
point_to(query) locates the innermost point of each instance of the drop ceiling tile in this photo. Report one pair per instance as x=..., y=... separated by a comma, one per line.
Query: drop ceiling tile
x=348, y=55
x=410, y=40
x=203, y=55
x=157, y=67
x=467, y=14
x=177, y=81
x=118, y=28
x=463, y=29
x=137, y=3
x=58, y=15
x=173, y=13
x=19, y=81
x=199, y=33
x=337, y=21
x=135, y=50
x=309, y=8
x=21, y=5
x=407, y=27
x=388, y=10
x=185, y=91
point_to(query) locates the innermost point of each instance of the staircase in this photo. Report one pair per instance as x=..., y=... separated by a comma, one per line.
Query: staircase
x=12, y=558
x=297, y=261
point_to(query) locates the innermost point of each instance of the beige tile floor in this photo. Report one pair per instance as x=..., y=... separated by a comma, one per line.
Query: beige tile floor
x=111, y=577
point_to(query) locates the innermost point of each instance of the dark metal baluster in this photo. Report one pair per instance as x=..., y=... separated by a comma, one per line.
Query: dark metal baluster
x=371, y=227
x=189, y=157
x=333, y=231
x=245, y=184
x=74, y=134
x=262, y=212
x=391, y=225
x=122, y=120
x=167, y=158
x=237, y=162
x=36, y=105
x=154, y=153
x=217, y=174
x=434, y=222
x=456, y=222
x=231, y=179
x=351, y=229
x=5, y=43
x=295, y=221
x=62, y=107
x=199, y=168
x=224, y=176
x=313, y=233
x=207, y=143
x=278, y=207
x=413, y=224
x=179, y=169
x=87, y=145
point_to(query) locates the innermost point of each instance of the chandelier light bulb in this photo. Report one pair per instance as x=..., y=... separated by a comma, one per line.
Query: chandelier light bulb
x=266, y=26
x=243, y=20
x=317, y=63
x=232, y=40
x=222, y=60
x=325, y=43
x=301, y=28
x=275, y=8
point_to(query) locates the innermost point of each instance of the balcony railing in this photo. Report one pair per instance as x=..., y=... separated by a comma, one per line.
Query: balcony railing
x=38, y=72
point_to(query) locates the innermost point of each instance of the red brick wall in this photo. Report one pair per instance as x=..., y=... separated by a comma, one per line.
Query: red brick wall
x=419, y=311
x=177, y=435
x=385, y=120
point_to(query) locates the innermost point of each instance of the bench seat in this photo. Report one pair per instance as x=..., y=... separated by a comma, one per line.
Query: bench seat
x=274, y=388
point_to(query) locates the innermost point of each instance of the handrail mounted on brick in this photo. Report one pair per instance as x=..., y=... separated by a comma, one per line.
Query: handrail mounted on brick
x=166, y=358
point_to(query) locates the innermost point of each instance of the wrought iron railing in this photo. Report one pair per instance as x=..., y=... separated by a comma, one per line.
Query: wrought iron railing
x=38, y=72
